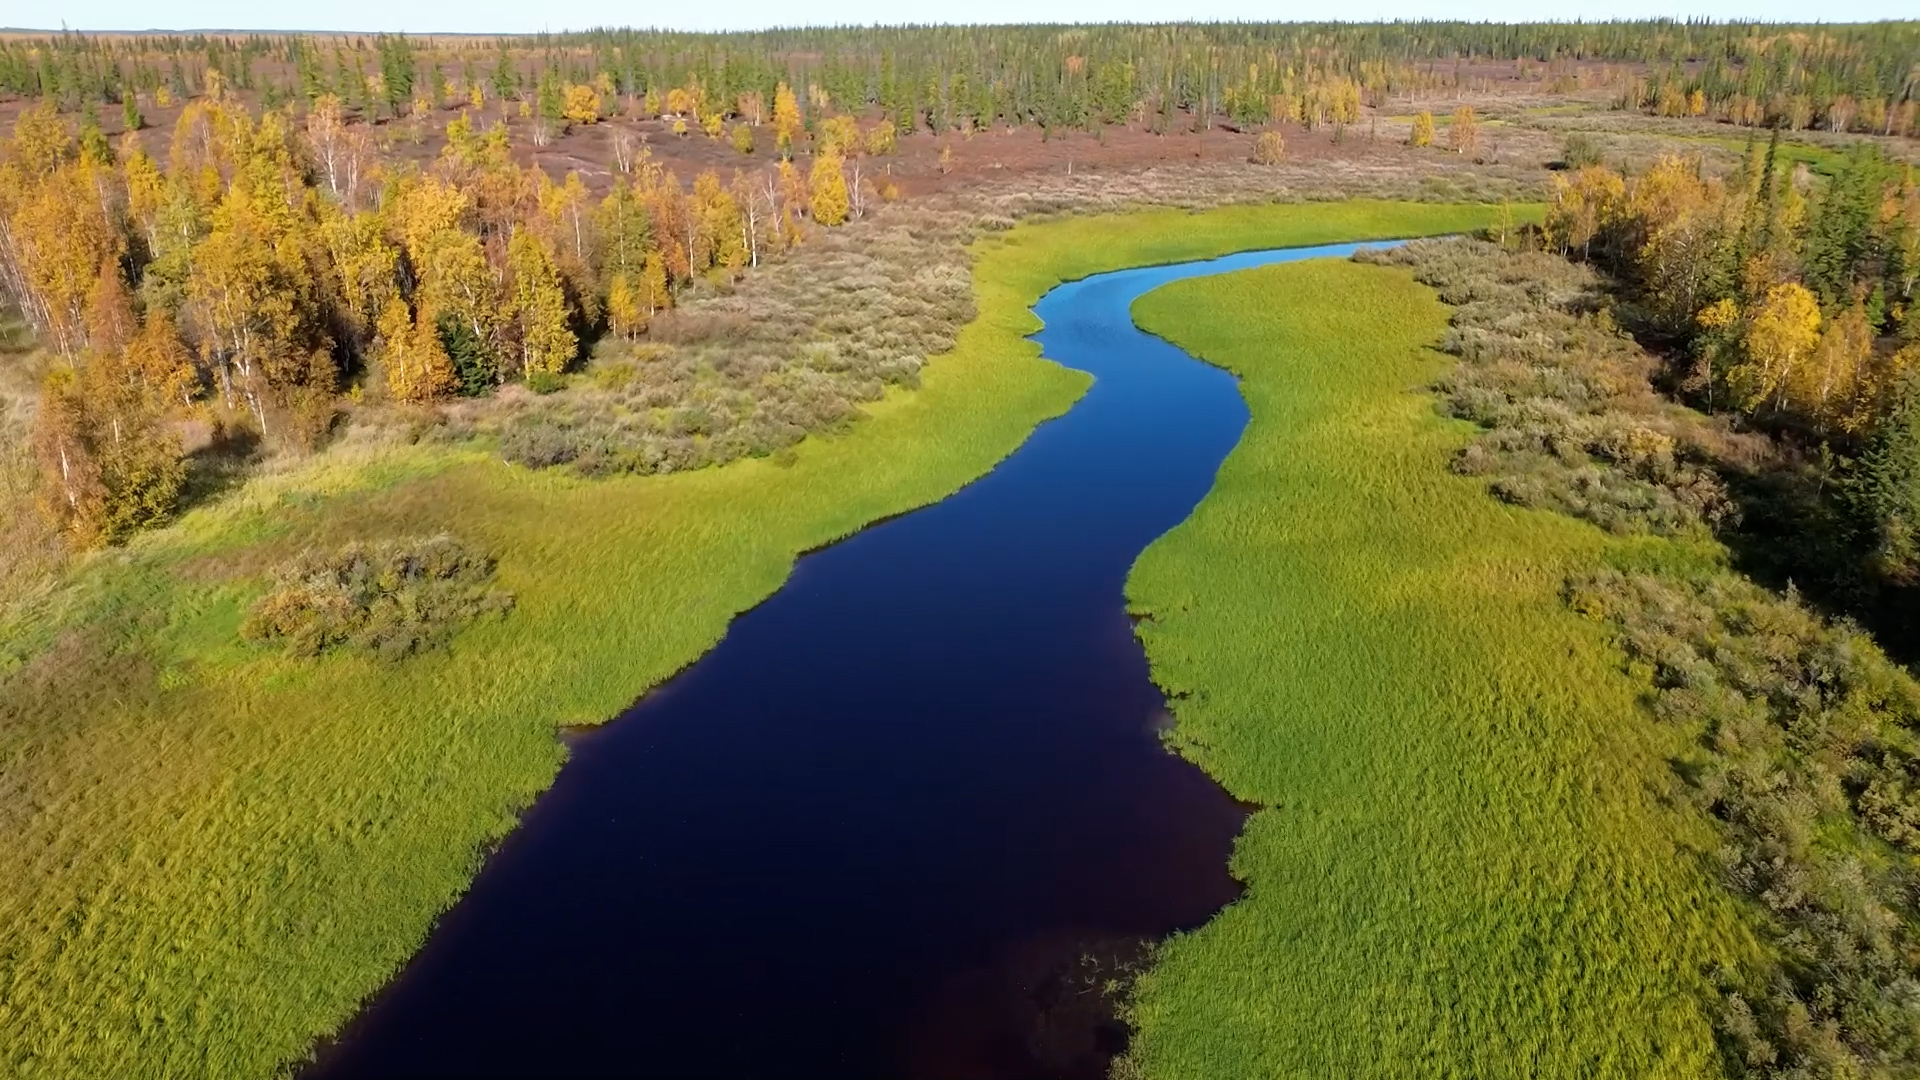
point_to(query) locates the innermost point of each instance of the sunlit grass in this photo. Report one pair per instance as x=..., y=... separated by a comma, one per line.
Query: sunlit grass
x=212, y=852
x=1468, y=865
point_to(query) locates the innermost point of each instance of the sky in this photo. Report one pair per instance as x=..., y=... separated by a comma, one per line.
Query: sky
x=519, y=16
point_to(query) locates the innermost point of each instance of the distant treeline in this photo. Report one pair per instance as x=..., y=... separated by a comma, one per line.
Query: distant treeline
x=949, y=77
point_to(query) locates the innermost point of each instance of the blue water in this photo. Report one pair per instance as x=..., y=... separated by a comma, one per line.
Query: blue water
x=903, y=819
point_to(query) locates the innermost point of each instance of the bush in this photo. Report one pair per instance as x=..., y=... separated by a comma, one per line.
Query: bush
x=1580, y=150
x=393, y=599
x=1570, y=416
x=1269, y=148
x=1806, y=756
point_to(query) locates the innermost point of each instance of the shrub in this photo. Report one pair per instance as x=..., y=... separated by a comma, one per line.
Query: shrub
x=1579, y=150
x=546, y=382
x=1571, y=420
x=393, y=599
x=1805, y=755
x=1269, y=148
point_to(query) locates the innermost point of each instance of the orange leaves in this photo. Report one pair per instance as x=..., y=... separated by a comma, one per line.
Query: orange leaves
x=61, y=235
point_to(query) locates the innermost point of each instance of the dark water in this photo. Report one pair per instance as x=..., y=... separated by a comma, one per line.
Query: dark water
x=903, y=820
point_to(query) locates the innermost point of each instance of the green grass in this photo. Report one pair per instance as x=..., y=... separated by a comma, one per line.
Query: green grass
x=1468, y=865
x=212, y=852
x=1820, y=159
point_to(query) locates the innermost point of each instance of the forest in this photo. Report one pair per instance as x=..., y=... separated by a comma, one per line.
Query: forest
x=275, y=253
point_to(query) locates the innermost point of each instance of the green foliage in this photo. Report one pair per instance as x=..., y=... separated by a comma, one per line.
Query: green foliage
x=391, y=599
x=1571, y=421
x=546, y=382
x=1882, y=492
x=1579, y=150
x=1465, y=865
x=474, y=368
x=1804, y=750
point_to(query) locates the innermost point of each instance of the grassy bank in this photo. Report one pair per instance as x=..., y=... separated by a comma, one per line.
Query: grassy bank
x=1470, y=864
x=213, y=851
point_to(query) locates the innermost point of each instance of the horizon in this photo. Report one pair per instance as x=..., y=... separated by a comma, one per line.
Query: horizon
x=488, y=18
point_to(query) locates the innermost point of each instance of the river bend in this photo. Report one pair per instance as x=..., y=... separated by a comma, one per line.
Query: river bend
x=908, y=814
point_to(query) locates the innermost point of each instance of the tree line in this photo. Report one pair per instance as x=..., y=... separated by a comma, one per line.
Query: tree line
x=260, y=264
x=1790, y=299
x=943, y=78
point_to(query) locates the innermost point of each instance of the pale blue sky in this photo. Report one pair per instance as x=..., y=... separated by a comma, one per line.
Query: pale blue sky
x=501, y=16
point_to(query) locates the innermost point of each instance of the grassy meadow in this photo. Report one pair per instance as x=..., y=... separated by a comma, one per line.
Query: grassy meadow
x=213, y=851
x=1471, y=862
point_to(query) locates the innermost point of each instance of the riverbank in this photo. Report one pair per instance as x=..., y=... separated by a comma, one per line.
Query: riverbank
x=215, y=852
x=1470, y=863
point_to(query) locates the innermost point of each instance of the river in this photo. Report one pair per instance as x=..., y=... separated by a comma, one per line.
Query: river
x=905, y=820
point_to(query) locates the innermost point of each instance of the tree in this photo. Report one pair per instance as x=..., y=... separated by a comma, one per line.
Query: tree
x=743, y=138
x=1464, y=135
x=61, y=236
x=626, y=316
x=827, y=184
x=75, y=497
x=786, y=119
x=1836, y=373
x=110, y=319
x=111, y=466
x=1422, y=130
x=416, y=364
x=547, y=344
x=653, y=291
x=1782, y=330
x=1582, y=207
x=582, y=105
x=838, y=135
x=1883, y=488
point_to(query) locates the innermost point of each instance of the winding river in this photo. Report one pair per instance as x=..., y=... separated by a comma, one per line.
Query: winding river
x=904, y=820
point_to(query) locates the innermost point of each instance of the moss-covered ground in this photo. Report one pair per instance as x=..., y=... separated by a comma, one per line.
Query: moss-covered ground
x=1469, y=863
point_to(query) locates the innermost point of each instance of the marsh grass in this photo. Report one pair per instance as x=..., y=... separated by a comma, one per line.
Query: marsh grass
x=1472, y=860
x=213, y=851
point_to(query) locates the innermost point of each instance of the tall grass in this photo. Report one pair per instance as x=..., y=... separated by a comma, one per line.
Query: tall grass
x=1470, y=862
x=212, y=851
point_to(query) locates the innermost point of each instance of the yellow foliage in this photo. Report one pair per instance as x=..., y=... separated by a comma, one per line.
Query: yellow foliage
x=838, y=135
x=582, y=105
x=1269, y=148
x=1422, y=130
x=786, y=118
x=1718, y=315
x=1783, y=330
x=828, y=186
x=416, y=364
x=1464, y=135
x=627, y=316
x=1582, y=206
x=547, y=344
